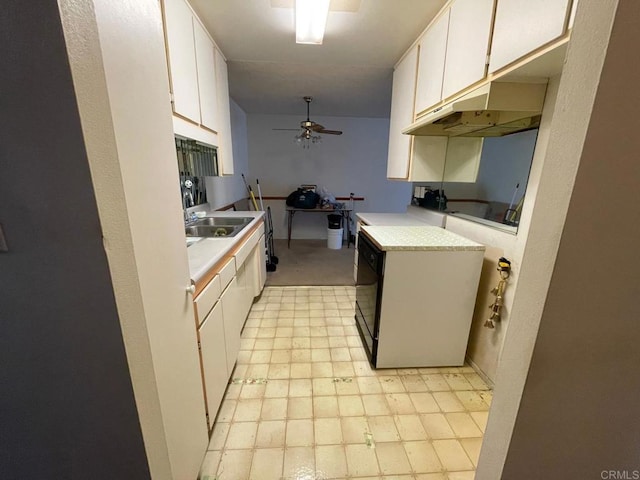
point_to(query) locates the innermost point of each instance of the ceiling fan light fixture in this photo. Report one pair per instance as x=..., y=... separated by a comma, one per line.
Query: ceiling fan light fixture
x=311, y=20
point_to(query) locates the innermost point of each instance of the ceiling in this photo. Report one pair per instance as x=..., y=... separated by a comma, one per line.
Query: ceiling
x=348, y=75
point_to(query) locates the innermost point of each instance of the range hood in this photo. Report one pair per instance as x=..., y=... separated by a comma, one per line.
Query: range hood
x=492, y=110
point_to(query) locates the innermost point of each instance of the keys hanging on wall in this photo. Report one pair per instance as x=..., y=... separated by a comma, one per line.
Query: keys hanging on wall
x=504, y=267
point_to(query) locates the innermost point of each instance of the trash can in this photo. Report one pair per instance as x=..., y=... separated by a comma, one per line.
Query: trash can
x=335, y=221
x=334, y=238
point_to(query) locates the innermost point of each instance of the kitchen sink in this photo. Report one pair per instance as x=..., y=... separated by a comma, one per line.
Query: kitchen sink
x=224, y=221
x=212, y=231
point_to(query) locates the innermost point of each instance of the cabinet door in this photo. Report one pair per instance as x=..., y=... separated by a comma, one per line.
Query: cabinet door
x=262, y=264
x=232, y=314
x=521, y=26
x=213, y=356
x=402, y=99
x=467, y=44
x=448, y=159
x=433, y=49
x=182, y=59
x=205, y=57
x=225, y=148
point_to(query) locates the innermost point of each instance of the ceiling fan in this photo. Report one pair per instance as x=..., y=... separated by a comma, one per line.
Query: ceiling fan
x=310, y=128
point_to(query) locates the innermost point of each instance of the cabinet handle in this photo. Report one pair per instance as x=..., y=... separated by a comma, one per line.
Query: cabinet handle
x=191, y=289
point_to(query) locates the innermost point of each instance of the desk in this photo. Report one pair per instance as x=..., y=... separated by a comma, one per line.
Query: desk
x=345, y=212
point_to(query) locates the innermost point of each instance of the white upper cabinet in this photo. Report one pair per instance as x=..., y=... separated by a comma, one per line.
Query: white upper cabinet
x=402, y=99
x=522, y=26
x=205, y=58
x=433, y=49
x=467, y=44
x=225, y=146
x=182, y=59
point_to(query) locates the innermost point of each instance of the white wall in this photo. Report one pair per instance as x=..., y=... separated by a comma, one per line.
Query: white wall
x=225, y=190
x=355, y=161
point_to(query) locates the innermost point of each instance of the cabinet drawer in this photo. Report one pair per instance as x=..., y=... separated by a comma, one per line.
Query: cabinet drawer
x=208, y=298
x=245, y=250
x=227, y=272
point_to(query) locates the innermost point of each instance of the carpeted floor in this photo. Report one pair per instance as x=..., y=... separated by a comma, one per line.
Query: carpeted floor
x=310, y=262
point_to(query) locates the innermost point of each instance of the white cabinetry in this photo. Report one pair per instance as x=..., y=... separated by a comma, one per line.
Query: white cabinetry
x=225, y=150
x=214, y=359
x=522, y=26
x=205, y=57
x=453, y=52
x=231, y=300
x=402, y=99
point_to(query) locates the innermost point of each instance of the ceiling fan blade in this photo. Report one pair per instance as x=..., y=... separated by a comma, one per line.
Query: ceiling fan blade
x=329, y=132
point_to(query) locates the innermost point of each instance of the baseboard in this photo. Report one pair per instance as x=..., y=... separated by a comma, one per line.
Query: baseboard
x=480, y=373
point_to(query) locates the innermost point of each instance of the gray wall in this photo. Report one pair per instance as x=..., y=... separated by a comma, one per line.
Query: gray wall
x=579, y=412
x=67, y=408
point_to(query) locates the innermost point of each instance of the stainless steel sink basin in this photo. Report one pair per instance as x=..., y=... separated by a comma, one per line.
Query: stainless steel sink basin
x=224, y=221
x=212, y=231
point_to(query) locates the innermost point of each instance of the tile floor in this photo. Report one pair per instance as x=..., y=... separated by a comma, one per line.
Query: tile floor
x=304, y=403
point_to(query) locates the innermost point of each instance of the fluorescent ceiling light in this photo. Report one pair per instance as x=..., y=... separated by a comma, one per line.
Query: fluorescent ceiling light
x=311, y=18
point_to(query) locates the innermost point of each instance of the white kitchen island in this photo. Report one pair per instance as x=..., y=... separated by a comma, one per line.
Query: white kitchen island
x=424, y=296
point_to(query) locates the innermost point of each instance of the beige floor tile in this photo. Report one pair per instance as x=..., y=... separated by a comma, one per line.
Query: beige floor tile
x=271, y=434
x=457, y=381
x=354, y=341
x=472, y=446
x=235, y=464
x=361, y=460
x=437, y=426
x=300, y=407
x=279, y=371
x=218, y=436
x=240, y=371
x=331, y=462
x=300, y=387
x=300, y=370
x=253, y=391
x=233, y=391
x=340, y=354
x=463, y=425
x=343, y=369
x=413, y=383
x=470, y=475
x=269, y=315
x=422, y=457
x=225, y=413
x=247, y=343
x=274, y=409
x=375, y=405
x=320, y=355
x=323, y=386
x=347, y=387
x=391, y=384
x=284, y=332
x=472, y=401
x=336, y=336
x=406, y=371
x=241, y=435
x=481, y=419
x=282, y=343
x=249, y=332
x=301, y=355
x=369, y=385
x=400, y=403
x=354, y=429
x=258, y=371
x=316, y=320
x=435, y=382
x=267, y=463
x=322, y=369
x=317, y=332
x=301, y=331
x=209, y=467
x=286, y=316
x=276, y=388
x=301, y=342
x=424, y=402
x=448, y=402
x=286, y=306
x=363, y=368
x=319, y=342
x=299, y=433
x=247, y=410
x=244, y=357
x=383, y=429
x=266, y=332
x=432, y=476
x=410, y=427
x=452, y=455
x=281, y=356
x=476, y=381
x=328, y=431
x=325, y=406
x=487, y=396
x=358, y=354
x=299, y=463
x=392, y=459
x=350, y=406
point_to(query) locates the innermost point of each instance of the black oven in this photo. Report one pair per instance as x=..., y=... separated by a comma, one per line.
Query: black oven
x=369, y=294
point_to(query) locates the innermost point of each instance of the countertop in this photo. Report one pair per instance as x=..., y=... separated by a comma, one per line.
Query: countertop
x=414, y=216
x=205, y=253
x=419, y=238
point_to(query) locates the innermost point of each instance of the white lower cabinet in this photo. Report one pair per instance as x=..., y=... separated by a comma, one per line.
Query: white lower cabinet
x=213, y=354
x=232, y=308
